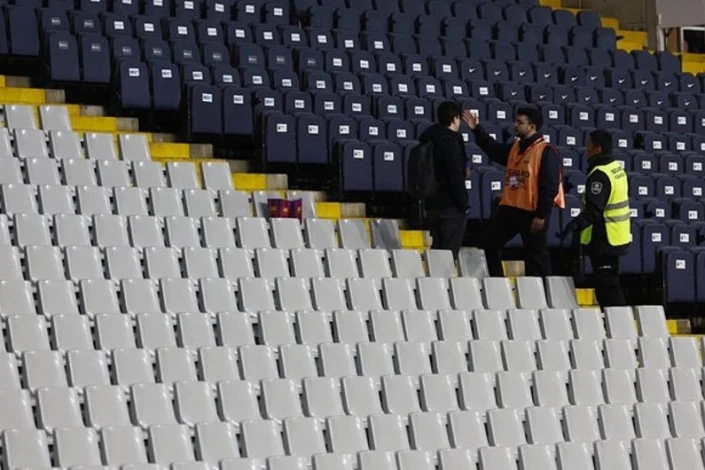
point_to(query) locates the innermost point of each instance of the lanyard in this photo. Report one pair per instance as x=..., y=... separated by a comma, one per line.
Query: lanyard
x=520, y=155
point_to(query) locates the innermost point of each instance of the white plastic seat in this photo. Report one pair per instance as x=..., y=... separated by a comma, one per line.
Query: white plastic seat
x=588, y=324
x=686, y=419
x=287, y=234
x=123, y=263
x=293, y=294
x=195, y=330
x=79, y=172
x=398, y=294
x=413, y=359
x=131, y=201
x=477, y=391
x=433, y=293
x=361, y=396
x=386, y=326
x=235, y=329
x=30, y=143
x=313, y=328
x=271, y=263
x=216, y=176
x=134, y=147
x=555, y=324
x=513, y=390
x=123, y=444
x=337, y=360
x=162, y=262
x=685, y=384
x=485, y=356
x=328, y=295
x=620, y=323
x=322, y=397
x=132, y=366
x=42, y=171
x=100, y=146
x=684, y=352
x=44, y=369
x=200, y=263
x=234, y=204
x=276, y=328
x=552, y=355
x=5, y=144
x=77, y=447
x=653, y=353
x=419, y=325
x=449, y=357
x=400, y=395
x=298, y=361
x=577, y=455
x=93, y=200
x=440, y=263
x=56, y=199
x=523, y=325
x=612, y=454
x=407, y=264
x=616, y=422
x=10, y=264
x=54, y=117
x=258, y=362
x=350, y=327
x=374, y=264
x=57, y=297
x=530, y=293
x=384, y=234
x=10, y=171
x=236, y=263
x=110, y=230
x=26, y=449
x=651, y=421
x=71, y=333
x=518, y=356
x=216, y=442
x=497, y=293
x=489, y=324
x=587, y=354
x=252, y=232
x=455, y=325
x=649, y=454
x=346, y=434
x=164, y=202
x=182, y=175
x=145, y=231
x=16, y=407
x=560, y=292
x=375, y=359
x=64, y=145
x=72, y=230
x=377, y=459
x=169, y=444
x=262, y=438
x=84, y=262
x=217, y=364
x=27, y=333
x=151, y=404
x=341, y=263
x=195, y=403
x=106, y=406
x=174, y=365
x=199, y=203
x=87, y=368
x=18, y=198
x=580, y=424
x=497, y=458
x=140, y=296
x=684, y=454
x=619, y=354
x=320, y=234
x=217, y=295
x=148, y=174
x=428, y=431
x=256, y=294
x=59, y=408
x=308, y=203
x=114, y=332
x=5, y=238
x=550, y=388
x=113, y=173
x=438, y=393
x=467, y=430
x=16, y=298
x=32, y=229
x=238, y=401
x=353, y=234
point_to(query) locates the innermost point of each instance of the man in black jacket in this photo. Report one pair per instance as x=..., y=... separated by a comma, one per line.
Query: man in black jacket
x=447, y=209
x=516, y=214
x=604, y=203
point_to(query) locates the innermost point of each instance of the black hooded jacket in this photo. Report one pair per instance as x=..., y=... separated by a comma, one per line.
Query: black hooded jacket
x=450, y=161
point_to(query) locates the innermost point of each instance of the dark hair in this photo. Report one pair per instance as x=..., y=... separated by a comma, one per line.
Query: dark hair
x=603, y=139
x=447, y=112
x=534, y=115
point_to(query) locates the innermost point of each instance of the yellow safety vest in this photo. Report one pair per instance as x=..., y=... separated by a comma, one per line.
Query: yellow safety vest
x=617, y=224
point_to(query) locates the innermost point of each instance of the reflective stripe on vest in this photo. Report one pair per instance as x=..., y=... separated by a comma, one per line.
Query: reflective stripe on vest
x=521, y=179
x=616, y=214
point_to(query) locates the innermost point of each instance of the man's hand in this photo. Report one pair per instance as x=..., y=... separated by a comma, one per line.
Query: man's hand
x=537, y=225
x=468, y=172
x=471, y=120
x=566, y=231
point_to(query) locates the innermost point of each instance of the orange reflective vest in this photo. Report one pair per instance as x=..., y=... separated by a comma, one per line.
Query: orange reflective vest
x=521, y=180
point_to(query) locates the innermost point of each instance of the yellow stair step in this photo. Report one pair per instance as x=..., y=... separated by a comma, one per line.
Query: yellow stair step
x=329, y=210
x=3, y=81
x=23, y=96
x=413, y=239
x=103, y=124
x=586, y=297
x=638, y=37
x=170, y=150
x=250, y=181
x=678, y=327
x=551, y=3
x=629, y=45
x=609, y=22
x=693, y=67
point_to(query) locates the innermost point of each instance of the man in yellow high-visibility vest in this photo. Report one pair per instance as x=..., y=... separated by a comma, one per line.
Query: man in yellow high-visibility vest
x=603, y=225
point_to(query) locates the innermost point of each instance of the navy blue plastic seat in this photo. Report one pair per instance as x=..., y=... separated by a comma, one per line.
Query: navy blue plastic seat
x=370, y=129
x=276, y=12
x=464, y=10
x=165, y=83
x=22, y=31
x=187, y=9
x=255, y=78
x=387, y=168
x=655, y=236
x=192, y=73
x=95, y=59
x=237, y=33
x=356, y=105
x=157, y=8
x=399, y=130
x=491, y=183
x=266, y=35
x=249, y=11
x=632, y=263
x=284, y=80
x=125, y=48
x=62, y=55
x=185, y=52
x=374, y=84
x=279, y=138
x=311, y=140
x=541, y=15
x=401, y=85
x=52, y=20
x=622, y=60
x=319, y=38
x=438, y=8
x=355, y=163
x=641, y=187
x=217, y=10
x=403, y=23
x=605, y=38
x=297, y=102
x=133, y=85
x=97, y=6
x=236, y=111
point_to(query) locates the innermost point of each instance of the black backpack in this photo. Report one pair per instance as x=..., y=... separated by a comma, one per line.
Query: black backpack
x=421, y=172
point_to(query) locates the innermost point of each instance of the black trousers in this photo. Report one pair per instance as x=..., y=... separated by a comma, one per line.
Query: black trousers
x=605, y=280
x=448, y=231
x=505, y=224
